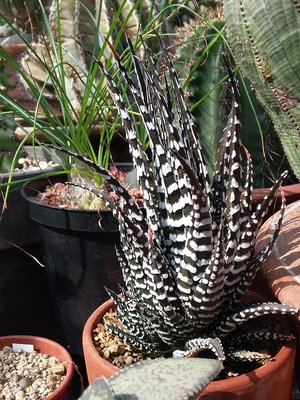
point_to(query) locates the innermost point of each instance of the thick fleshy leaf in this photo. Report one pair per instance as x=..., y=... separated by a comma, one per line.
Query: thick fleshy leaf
x=165, y=379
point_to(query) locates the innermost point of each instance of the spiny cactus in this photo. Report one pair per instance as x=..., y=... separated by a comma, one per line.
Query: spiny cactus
x=199, y=61
x=201, y=43
x=188, y=262
x=265, y=39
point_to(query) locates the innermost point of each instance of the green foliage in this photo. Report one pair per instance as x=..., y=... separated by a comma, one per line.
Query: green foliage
x=161, y=379
x=265, y=39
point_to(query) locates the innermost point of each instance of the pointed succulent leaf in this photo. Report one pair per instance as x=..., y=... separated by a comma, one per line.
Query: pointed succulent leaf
x=265, y=335
x=194, y=346
x=231, y=322
x=243, y=272
x=248, y=356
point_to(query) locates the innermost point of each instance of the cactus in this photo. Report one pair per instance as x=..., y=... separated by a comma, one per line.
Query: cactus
x=265, y=40
x=199, y=61
x=202, y=44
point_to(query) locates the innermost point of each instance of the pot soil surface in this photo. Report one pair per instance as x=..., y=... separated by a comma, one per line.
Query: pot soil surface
x=114, y=350
x=66, y=195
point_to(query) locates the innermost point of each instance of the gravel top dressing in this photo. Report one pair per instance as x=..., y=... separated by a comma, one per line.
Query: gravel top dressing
x=28, y=375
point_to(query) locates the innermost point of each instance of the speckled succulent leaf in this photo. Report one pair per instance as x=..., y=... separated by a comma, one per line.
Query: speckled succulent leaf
x=231, y=166
x=265, y=38
x=135, y=326
x=251, y=335
x=169, y=134
x=99, y=390
x=135, y=339
x=195, y=346
x=187, y=126
x=161, y=154
x=206, y=303
x=246, y=195
x=221, y=175
x=230, y=323
x=248, y=356
x=244, y=270
x=166, y=378
x=197, y=237
x=268, y=201
x=140, y=159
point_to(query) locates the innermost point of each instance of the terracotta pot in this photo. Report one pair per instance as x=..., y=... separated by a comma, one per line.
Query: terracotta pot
x=272, y=381
x=43, y=345
x=281, y=270
x=291, y=193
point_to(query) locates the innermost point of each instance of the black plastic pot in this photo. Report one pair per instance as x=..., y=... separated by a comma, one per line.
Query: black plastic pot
x=15, y=226
x=79, y=254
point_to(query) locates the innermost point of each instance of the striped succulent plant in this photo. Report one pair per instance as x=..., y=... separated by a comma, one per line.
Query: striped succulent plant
x=187, y=259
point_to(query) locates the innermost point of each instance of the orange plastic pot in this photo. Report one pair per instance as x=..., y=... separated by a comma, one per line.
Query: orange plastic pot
x=47, y=346
x=270, y=382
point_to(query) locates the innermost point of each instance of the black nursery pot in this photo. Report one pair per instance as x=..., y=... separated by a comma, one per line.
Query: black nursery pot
x=80, y=258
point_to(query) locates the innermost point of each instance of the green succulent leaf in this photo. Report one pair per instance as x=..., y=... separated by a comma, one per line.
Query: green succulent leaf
x=161, y=379
x=99, y=390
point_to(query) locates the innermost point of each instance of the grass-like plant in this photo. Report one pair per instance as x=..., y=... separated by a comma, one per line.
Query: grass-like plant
x=72, y=108
x=188, y=259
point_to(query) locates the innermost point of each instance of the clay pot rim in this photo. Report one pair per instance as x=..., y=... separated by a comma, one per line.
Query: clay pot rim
x=234, y=383
x=259, y=193
x=66, y=357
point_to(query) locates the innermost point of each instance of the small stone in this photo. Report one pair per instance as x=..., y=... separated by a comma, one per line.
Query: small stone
x=129, y=360
x=106, y=354
x=58, y=369
x=114, y=349
x=21, y=160
x=43, y=164
x=20, y=395
x=24, y=383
